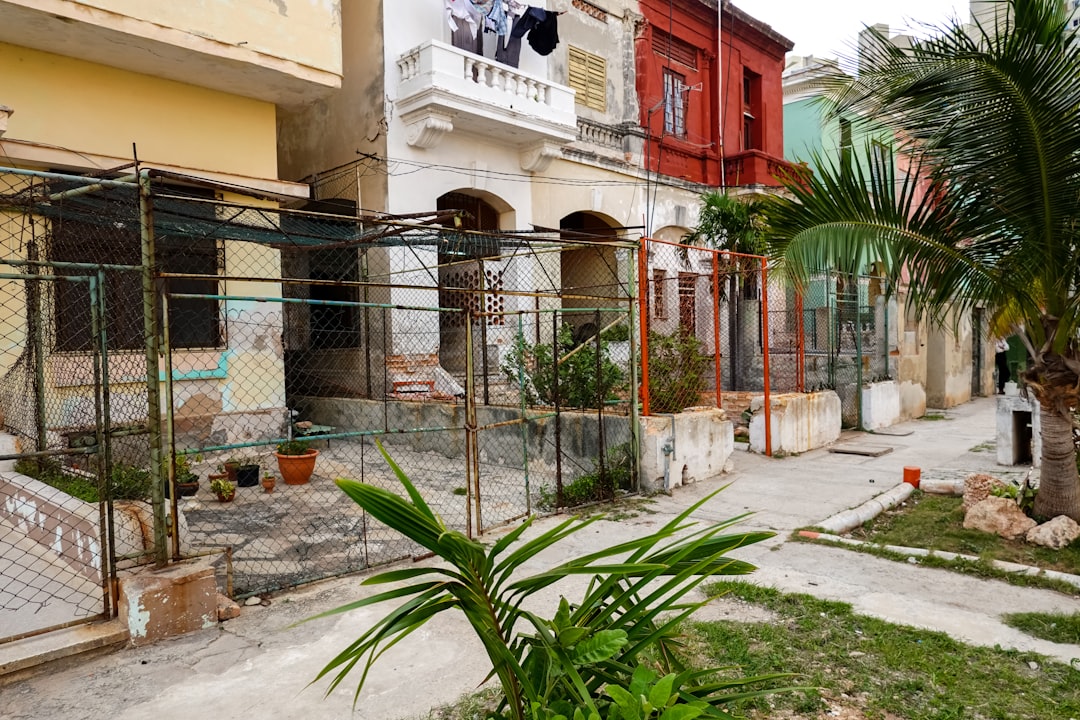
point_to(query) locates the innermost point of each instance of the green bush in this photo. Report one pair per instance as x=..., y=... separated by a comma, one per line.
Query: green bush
x=677, y=367
x=127, y=482
x=579, y=385
x=593, y=486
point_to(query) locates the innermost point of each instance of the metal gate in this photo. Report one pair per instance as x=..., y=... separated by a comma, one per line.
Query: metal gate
x=57, y=476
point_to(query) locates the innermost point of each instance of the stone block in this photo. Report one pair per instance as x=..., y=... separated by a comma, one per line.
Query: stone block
x=685, y=447
x=160, y=603
x=1056, y=534
x=226, y=609
x=799, y=422
x=998, y=515
x=1019, y=436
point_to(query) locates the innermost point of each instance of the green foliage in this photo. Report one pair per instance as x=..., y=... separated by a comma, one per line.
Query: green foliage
x=951, y=208
x=627, y=617
x=1023, y=495
x=594, y=486
x=222, y=487
x=883, y=670
x=616, y=333
x=293, y=447
x=127, y=482
x=1054, y=627
x=579, y=386
x=677, y=367
x=729, y=224
x=182, y=469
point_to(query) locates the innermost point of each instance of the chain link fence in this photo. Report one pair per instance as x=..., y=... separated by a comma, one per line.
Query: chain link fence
x=718, y=330
x=847, y=323
x=75, y=491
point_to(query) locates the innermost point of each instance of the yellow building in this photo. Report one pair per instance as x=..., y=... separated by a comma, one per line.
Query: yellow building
x=189, y=89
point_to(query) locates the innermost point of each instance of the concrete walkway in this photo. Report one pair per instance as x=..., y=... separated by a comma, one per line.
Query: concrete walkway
x=258, y=665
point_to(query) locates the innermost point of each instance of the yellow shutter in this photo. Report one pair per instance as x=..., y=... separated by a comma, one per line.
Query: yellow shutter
x=588, y=78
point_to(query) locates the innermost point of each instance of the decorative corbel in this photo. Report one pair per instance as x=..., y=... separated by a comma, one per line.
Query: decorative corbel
x=538, y=156
x=425, y=128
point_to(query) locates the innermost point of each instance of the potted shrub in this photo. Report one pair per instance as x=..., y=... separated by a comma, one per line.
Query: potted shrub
x=268, y=482
x=187, y=482
x=247, y=474
x=224, y=489
x=296, y=461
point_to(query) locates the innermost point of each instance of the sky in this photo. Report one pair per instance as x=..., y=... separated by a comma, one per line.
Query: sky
x=828, y=28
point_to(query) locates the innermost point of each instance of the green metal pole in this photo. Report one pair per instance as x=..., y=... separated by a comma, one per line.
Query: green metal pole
x=37, y=334
x=107, y=431
x=104, y=489
x=524, y=412
x=169, y=437
x=153, y=370
x=858, y=355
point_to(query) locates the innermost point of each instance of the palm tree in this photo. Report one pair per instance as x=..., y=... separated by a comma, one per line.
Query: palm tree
x=735, y=226
x=987, y=214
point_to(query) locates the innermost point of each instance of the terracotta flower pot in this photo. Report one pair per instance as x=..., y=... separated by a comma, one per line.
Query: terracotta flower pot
x=230, y=470
x=268, y=484
x=296, y=469
x=221, y=497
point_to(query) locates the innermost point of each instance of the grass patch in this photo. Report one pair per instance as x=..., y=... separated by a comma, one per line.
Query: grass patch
x=934, y=416
x=1047, y=626
x=883, y=669
x=935, y=522
x=460, y=491
x=126, y=482
x=984, y=447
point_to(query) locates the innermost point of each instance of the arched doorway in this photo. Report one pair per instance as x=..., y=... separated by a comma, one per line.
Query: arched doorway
x=590, y=275
x=462, y=275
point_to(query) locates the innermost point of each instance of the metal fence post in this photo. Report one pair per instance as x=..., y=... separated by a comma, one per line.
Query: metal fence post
x=643, y=312
x=153, y=370
x=765, y=354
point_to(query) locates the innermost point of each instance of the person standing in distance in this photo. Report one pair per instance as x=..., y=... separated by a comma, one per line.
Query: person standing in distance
x=1001, y=348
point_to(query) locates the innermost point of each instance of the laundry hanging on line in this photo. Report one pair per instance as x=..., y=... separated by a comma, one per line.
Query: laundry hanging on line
x=510, y=20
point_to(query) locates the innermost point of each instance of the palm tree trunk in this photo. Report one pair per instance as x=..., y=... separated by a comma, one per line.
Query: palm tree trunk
x=1059, y=484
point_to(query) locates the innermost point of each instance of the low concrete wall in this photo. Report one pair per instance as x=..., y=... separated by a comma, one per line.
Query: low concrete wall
x=499, y=444
x=157, y=603
x=881, y=405
x=1019, y=435
x=688, y=446
x=798, y=422
x=69, y=527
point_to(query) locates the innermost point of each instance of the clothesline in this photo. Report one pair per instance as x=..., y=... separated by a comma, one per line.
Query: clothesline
x=510, y=20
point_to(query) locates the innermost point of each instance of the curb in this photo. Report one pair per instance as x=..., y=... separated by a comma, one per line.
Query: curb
x=847, y=520
x=1015, y=568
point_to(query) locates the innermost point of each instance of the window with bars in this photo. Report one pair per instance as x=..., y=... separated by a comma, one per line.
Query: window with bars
x=676, y=99
x=193, y=322
x=588, y=77
x=659, y=309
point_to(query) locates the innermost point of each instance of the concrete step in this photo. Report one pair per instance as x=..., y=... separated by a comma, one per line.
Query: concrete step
x=30, y=656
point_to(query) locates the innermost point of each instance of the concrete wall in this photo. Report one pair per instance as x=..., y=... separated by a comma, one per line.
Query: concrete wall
x=683, y=448
x=880, y=405
x=69, y=527
x=1018, y=430
x=96, y=109
x=799, y=422
x=283, y=51
x=948, y=362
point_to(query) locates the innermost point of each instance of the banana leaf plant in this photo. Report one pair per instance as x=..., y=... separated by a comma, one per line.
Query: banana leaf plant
x=627, y=618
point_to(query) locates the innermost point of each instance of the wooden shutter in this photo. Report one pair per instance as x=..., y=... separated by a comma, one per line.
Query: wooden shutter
x=588, y=77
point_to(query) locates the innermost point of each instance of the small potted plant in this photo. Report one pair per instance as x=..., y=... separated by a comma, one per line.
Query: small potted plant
x=230, y=466
x=268, y=482
x=247, y=474
x=296, y=461
x=224, y=489
x=187, y=482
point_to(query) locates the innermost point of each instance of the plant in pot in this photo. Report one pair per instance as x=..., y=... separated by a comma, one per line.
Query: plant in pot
x=230, y=466
x=268, y=482
x=247, y=475
x=296, y=461
x=187, y=482
x=224, y=489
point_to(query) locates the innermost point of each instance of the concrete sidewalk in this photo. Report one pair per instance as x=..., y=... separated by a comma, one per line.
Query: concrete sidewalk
x=259, y=664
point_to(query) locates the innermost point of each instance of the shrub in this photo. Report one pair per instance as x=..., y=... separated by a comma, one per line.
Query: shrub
x=127, y=482
x=677, y=366
x=627, y=618
x=594, y=486
x=293, y=447
x=579, y=386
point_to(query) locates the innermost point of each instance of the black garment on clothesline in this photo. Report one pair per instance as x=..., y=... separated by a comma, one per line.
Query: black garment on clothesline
x=542, y=27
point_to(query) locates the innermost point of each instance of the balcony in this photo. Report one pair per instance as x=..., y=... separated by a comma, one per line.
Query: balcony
x=444, y=89
x=242, y=47
x=754, y=167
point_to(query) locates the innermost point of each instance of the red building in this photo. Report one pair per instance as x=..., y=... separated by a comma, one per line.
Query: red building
x=715, y=123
